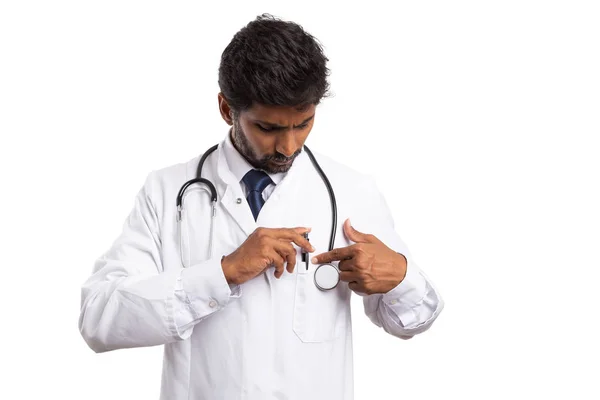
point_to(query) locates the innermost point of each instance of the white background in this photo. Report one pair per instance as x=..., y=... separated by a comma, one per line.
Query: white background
x=480, y=121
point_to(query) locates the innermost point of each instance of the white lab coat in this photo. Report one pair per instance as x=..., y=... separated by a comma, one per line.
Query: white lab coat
x=267, y=338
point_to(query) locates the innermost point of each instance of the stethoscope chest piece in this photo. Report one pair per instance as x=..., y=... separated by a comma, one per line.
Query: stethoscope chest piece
x=327, y=276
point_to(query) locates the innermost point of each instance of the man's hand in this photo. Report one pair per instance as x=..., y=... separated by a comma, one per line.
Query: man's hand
x=368, y=265
x=265, y=247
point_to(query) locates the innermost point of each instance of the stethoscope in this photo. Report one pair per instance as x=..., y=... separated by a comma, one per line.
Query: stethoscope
x=326, y=277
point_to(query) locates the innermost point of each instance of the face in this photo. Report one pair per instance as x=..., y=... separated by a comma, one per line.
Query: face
x=269, y=137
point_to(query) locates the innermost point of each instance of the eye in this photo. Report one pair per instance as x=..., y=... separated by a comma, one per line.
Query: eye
x=303, y=126
x=262, y=128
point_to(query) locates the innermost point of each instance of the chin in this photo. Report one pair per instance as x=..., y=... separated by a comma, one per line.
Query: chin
x=275, y=169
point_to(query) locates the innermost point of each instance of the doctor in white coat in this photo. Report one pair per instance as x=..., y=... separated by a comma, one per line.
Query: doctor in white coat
x=226, y=291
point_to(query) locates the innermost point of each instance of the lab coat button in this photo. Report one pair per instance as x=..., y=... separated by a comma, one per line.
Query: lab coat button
x=212, y=304
x=239, y=200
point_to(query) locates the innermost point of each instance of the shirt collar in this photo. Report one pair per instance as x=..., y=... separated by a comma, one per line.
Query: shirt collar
x=239, y=166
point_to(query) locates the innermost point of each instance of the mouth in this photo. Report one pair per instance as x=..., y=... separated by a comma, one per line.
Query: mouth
x=282, y=164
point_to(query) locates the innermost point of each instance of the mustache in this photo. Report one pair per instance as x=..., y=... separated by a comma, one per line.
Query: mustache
x=282, y=159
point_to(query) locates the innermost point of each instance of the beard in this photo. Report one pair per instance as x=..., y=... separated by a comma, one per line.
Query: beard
x=243, y=146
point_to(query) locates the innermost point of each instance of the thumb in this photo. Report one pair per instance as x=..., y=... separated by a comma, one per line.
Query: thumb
x=353, y=234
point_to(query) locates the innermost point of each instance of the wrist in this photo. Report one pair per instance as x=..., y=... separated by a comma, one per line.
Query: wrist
x=227, y=271
x=402, y=264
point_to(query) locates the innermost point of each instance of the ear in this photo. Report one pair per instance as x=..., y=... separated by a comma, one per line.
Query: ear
x=225, y=110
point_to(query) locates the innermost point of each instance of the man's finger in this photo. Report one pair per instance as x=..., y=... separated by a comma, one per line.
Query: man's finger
x=291, y=259
x=356, y=236
x=349, y=276
x=294, y=235
x=338, y=254
x=277, y=263
x=286, y=251
x=356, y=287
x=301, y=229
x=346, y=265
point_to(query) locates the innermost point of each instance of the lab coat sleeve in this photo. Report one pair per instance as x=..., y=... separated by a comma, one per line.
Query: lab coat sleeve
x=132, y=300
x=412, y=306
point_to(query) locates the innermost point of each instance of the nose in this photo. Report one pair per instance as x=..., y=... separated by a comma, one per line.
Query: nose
x=286, y=144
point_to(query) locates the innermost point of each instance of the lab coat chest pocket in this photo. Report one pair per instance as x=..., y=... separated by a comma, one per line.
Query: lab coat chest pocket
x=319, y=316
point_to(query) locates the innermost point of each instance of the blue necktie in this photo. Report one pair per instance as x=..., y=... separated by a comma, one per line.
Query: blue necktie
x=256, y=181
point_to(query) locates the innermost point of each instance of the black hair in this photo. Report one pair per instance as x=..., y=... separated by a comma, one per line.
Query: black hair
x=273, y=62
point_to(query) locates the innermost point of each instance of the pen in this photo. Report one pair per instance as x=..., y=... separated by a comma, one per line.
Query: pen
x=304, y=253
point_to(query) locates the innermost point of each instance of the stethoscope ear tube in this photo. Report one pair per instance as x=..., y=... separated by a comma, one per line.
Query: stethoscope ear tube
x=198, y=179
x=213, y=193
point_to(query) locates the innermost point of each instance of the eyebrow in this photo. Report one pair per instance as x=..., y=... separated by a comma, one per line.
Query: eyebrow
x=275, y=126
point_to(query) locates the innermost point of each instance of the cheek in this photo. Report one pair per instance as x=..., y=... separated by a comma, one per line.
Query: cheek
x=261, y=143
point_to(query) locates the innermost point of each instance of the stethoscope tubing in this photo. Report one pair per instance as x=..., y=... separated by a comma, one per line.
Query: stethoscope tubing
x=214, y=200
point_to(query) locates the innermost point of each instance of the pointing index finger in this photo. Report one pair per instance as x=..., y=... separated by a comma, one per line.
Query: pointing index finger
x=338, y=254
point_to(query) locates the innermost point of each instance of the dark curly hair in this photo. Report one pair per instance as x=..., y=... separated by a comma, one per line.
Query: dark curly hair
x=273, y=62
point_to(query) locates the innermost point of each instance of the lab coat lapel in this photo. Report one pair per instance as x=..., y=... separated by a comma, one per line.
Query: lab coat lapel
x=229, y=192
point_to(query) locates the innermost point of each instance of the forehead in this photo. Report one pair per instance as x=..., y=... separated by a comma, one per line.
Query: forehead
x=281, y=115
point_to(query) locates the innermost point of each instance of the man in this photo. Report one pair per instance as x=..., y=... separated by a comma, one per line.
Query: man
x=229, y=297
